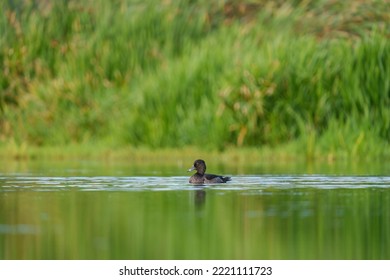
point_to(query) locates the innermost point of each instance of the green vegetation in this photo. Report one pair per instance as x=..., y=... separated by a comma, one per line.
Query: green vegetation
x=309, y=77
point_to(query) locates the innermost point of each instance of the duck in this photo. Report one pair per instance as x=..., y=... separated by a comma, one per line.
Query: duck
x=200, y=177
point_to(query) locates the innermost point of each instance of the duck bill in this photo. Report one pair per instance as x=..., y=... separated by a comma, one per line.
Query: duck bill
x=191, y=169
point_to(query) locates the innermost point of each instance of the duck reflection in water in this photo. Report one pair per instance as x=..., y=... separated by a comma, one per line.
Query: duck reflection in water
x=200, y=197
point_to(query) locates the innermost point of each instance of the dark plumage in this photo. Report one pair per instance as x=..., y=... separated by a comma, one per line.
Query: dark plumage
x=201, y=178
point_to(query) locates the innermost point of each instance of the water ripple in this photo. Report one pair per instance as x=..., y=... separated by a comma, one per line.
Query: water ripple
x=155, y=183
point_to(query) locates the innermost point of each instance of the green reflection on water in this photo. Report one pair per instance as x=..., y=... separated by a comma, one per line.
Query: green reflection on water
x=304, y=223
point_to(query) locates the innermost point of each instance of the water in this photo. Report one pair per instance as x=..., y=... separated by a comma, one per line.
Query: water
x=138, y=212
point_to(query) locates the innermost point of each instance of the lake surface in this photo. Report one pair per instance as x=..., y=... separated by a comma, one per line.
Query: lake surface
x=90, y=210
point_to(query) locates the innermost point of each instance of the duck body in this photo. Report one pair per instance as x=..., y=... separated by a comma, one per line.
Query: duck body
x=200, y=177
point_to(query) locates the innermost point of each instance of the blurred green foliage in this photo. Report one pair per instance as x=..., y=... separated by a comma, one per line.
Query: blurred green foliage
x=197, y=73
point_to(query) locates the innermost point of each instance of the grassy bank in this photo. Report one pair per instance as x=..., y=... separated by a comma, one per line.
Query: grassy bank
x=309, y=78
